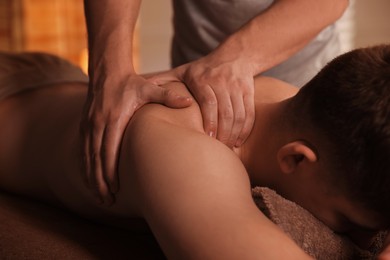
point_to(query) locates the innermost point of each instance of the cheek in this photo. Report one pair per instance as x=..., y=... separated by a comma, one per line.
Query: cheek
x=326, y=216
x=324, y=211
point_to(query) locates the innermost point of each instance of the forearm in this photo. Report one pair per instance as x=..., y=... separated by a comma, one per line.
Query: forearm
x=110, y=27
x=279, y=32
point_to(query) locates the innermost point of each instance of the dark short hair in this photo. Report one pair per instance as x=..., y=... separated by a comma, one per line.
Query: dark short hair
x=348, y=103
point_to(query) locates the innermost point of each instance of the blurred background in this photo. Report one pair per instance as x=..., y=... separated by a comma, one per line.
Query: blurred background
x=58, y=27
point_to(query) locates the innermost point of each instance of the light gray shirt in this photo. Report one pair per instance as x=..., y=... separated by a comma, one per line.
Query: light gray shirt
x=200, y=26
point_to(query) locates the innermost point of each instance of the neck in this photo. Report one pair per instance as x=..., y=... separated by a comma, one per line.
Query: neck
x=258, y=153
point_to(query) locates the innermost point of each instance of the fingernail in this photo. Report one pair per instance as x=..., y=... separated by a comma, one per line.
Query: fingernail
x=186, y=99
x=211, y=133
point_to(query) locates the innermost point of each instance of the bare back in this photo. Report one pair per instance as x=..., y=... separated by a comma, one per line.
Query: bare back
x=39, y=132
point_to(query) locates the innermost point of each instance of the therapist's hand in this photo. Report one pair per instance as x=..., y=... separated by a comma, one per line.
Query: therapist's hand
x=224, y=90
x=110, y=105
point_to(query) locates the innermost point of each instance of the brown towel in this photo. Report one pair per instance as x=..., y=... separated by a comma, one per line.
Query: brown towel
x=31, y=230
x=314, y=237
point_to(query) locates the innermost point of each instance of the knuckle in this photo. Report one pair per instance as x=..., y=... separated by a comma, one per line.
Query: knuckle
x=113, y=121
x=246, y=85
x=166, y=93
x=95, y=158
x=147, y=91
x=239, y=118
x=251, y=114
x=208, y=101
x=95, y=121
x=250, y=91
x=143, y=93
x=226, y=114
x=218, y=81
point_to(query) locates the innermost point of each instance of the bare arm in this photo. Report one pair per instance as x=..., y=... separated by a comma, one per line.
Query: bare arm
x=110, y=34
x=195, y=195
x=115, y=90
x=222, y=82
x=282, y=30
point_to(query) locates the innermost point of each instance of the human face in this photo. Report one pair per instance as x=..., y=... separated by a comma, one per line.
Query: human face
x=345, y=216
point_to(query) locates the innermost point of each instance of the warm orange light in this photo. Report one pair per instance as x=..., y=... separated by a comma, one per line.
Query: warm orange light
x=83, y=60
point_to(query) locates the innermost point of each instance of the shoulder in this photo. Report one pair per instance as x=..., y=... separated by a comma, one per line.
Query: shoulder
x=170, y=161
x=268, y=90
x=151, y=132
x=175, y=151
x=188, y=117
x=191, y=188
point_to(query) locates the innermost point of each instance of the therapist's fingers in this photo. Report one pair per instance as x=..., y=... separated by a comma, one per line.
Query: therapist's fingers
x=97, y=180
x=105, y=117
x=208, y=104
x=165, y=96
x=235, y=99
x=200, y=88
x=92, y=132
x=239, y=119
x=110, y=152
x=202, y=92
x=165, y=77
x=226, y=100
x=247, y=125
x=86, y=163
x=92, y=167
x=116, y=124
x=225, y=115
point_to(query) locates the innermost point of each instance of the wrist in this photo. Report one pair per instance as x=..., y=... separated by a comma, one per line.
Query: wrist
x=108, y=52
x=109, y=74
x=110, y=64
x=234, y=49
x=110, y=67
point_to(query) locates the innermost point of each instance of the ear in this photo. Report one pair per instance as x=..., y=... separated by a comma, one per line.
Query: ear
x=292, y=154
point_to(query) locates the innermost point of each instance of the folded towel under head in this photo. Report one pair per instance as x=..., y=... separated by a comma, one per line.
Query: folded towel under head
x=313, y=236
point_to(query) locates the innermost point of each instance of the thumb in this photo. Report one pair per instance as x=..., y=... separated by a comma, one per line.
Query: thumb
x=168, y=97
x=165, y=77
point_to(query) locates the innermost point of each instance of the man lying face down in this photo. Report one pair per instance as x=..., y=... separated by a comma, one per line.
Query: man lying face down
x=325, y=147
x=342, y=116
